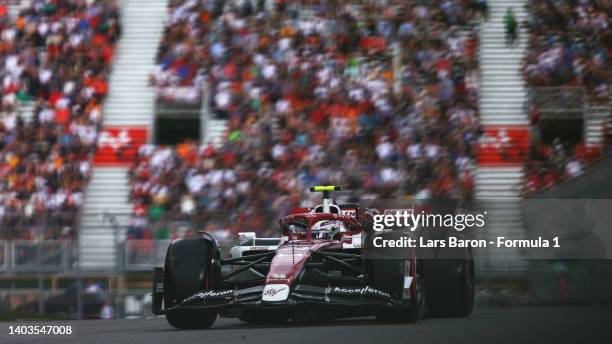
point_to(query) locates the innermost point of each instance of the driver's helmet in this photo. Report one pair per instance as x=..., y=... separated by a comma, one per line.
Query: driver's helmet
x=327, y=228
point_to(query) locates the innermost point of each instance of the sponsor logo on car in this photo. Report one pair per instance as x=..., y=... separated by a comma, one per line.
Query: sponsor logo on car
x=210, y=294
x=278, y=276
x=349, y=212
x=367, y=290
x=272, y=291
x=275, y=292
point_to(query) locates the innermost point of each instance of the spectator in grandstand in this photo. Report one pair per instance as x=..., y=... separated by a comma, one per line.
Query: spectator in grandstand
x=570, y=46
x=535, y=123
x=510, y=25
x=548, y=165
x=45, y=162
x=328, y=82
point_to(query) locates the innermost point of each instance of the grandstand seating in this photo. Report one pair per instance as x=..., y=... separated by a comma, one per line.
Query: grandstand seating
x=57, y=55
x=307, y=92
x=129, y=108
x=384, y=99
x=569, y=47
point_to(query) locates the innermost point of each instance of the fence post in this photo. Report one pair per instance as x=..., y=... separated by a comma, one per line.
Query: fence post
x=126, y=255
x=65, y=255
x=41, y=305
x=79, y=281
x=204, y=112
x=5, y=255
x=155, y=249
x=13, y=255
x=397, y=68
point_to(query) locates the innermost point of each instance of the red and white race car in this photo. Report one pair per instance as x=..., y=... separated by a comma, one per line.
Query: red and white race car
x=315, y=271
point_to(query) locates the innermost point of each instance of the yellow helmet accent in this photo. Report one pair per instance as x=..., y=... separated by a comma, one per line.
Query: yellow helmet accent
x=321, y=188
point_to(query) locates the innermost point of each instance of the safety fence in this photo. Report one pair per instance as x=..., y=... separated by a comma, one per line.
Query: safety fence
x=558, y=102
x=60, y=256
x=144, y=254
x=37, y=255
x=170, y=107
x=178, y=101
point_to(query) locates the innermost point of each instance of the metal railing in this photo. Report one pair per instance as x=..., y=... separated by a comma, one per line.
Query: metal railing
x=37, y=256
x=180, y=105
x=144, y=254
x=3, y=255
x=558, y=101
x=597, y=111
x=60, y=256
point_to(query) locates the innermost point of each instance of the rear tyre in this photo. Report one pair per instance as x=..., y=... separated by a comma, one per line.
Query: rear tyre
x=451, y=285
x=187, y=271
x=389, y=276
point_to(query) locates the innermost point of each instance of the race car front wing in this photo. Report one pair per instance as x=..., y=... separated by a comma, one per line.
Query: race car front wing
x=255, y=297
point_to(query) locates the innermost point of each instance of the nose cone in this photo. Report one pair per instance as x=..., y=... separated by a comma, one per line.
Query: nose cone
x=287, y=264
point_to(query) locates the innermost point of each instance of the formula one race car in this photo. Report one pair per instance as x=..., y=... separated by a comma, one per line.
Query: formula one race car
x=315, y=271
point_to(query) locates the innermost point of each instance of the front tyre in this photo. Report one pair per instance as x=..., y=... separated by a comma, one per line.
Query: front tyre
x=187, y=320
x=187, y=270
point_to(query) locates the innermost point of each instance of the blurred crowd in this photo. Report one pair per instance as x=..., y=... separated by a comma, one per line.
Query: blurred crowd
x=381, y=98
x=55, y=55
x=570, y=44
x=550, y=164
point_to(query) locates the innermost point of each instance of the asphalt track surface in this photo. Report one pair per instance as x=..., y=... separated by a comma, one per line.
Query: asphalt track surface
x=517, y=325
